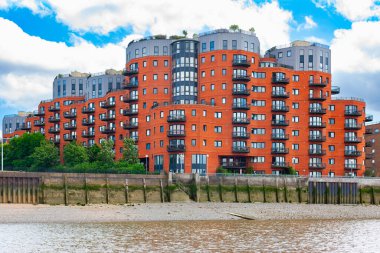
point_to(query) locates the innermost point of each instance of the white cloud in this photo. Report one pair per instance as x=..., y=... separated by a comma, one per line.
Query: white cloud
x=308, y=24
x=37, y=7
x=316, y=39
x=354, y=10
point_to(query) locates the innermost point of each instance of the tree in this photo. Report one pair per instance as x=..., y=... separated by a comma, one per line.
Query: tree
x=93, y=153
x=252, y=29
x=106, y=153
x=130, y=152
x=45, y=156
x=234, y=27
x=184, y=32
x=74, y=154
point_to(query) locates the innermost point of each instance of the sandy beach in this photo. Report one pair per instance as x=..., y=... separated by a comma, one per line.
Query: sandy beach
x=19, y=213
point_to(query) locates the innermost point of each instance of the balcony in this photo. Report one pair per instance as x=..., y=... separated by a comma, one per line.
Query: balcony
x=53, y=108
x=69, y=115
x=176, y=148
x=348, y=166
x=240, y=135
x=107, y=117
x=240, y=106
x=241, y=63
x=317, y=97
x=128, y=99
x=39, y=113
x=369, y=156
x=70, y=126
x=278, y=94
x=317, y=152
x=280, y=150
x=352, y=113
x=107, y=104
x=279, y=80
x=242, y=78
x=129, y=72
x=39, y=123
x=318, y=83
x=317, y=110
x=368, y=131
x=352, y=139
x=335, y=90
x=88, y=134
x=368, y=144
x=317, y=138
x=69, y=137
x=56, y=141
x=25, y=127
x=240, y=92
x=107, y=130
x=353, y=126
x=53, y=119
x=280, y=165
x=53, y=130
x=88, y=110
x=176, y=118
x=352, y=153
x=176, y=133
x=240, y=120
x=135, y=138
x=368, y=118
x=130, y=85
x=280, y=108
x=280, y=136
x=129, y=112
x=234, y=165
x=317, y=165
x=88, y=122
x=280, y=122
x=236, y=149
x=130, y=125
x=317, y=124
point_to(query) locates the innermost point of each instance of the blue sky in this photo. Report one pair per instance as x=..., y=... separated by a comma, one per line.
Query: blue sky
x=43, y=38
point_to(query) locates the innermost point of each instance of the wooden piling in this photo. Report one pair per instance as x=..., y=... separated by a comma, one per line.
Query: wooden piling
x=144, y=189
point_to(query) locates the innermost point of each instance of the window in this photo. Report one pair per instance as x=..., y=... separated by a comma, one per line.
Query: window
x=258, y=89
x=331, y=148
x=155, y=63
x=144, y=91
x=144, y=77
x=218, y=115
x=155, y=77
x=331, y=121
x=203, y=74
x=331, y=161
x=193, y=142
x=204, y=128
x=234, y=44
x=203, y=59
x=166, y=77
x=224, y=72
x=166, y=63
x=223, y=100
x=224, y=57
x=147, y=146
x=212, y=72
x=258, y=159
x=212, y=87
x=295, y=105
x=204, y=113
x=295, y=146
x=204, y=143
x=295, y=119
x=218, y=129
x=332, y=107
x=155, y=90
x=224, y=86
x=332, y=134
x=295, y=132
x=288, y=53
x=193, y=127
x=204, y=47
x=193, y=112
x=225, y=44
x=217, y=144
x=259, y=75
x=258, y=131
x=166, y=91
x=296, y=78
x=279, y=55
x=212, y=45
x=258, y=116
x=296, y=92
x=260, y=103
x=161, y=114
x=258, y=145
x=212, y=58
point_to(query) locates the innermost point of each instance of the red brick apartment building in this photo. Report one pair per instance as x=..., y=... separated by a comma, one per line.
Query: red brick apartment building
x=193, y=105
x=372, y=148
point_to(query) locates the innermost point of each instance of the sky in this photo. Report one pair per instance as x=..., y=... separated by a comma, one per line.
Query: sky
x=40, y=39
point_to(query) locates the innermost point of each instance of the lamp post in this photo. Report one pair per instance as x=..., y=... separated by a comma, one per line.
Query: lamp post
x=2, y=152
x=207, y=163
x=181, y=160
x=146, y=164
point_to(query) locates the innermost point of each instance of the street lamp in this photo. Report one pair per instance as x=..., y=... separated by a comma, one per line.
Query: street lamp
x=182, y=161
x=207, y=163
x=2, y=152
x=146, y=164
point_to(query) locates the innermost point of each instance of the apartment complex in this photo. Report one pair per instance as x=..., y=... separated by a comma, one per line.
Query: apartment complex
x=13, y=122
x=372, y=148
x=193, y=105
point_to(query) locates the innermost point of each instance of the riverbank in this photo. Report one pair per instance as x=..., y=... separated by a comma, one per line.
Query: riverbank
x=21, y=213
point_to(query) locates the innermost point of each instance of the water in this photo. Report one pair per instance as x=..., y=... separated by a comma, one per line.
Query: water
x=194, y=236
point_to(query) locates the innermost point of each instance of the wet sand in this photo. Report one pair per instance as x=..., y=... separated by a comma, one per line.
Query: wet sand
x=21, y=213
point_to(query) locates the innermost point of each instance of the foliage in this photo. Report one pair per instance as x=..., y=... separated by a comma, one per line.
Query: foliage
x=291, y=171
x=252, y=29
x=176, y=37
x=130, y=152
x=369, y=173
x=249, y=170
x=221, y=170
x=93, y=153
x=234, y=27
x=74, y=154
x=45, y=156
x=160, y=37
x=106, y=153
x=184, y=32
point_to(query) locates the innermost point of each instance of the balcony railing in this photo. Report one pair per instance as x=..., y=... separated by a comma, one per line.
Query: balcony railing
x=176, y=133
x=369, y=156
x=69, y=137
x=69, y=126
x=107, y=117
x=348, y=166
x=317, y=152
x=129, y=72
x=243, y=92
x=368, y=131
x=176, y=118
x=176, y=148
x=317, y=165
x=56, y=141
x=129, y=112
x=368, y=118
x=335, y=90
x=107, y=130
x=280, y=136
x=53, y=119
x=352, y=113
x=240, y=63
x=317, y=110
x=317, y=97
x=368, y=144
x=88, y=134
x=53, y=130
x=317, y=124
x=53, y=108
x=317, y=138
x=234, y=165
x=131, y=85
x=88, y=122
x=279, y=94
x=131, y=125
x=352, y=153
x=280, y=150
x=352, y=139
x=280, y=122
x=88, y=110
x=240, y=106
x=39, y=113
x=25, y=127
x=353, y=126
x=280, y=108
x=236, y=120
x=243, y=78
x=281, y=165
x=107, y=104
x=318, y=83
x=69, y=115
x=128, y=99
x=280, y=80
x=39, y=123
x=240, y=135
x=238, y=149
